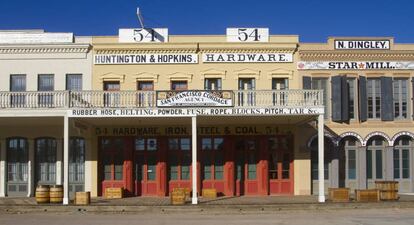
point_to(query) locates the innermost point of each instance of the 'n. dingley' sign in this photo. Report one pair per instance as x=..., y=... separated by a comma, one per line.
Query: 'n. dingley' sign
x=362, y=44
x=194, y=98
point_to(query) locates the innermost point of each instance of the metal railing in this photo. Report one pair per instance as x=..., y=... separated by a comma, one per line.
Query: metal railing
x=147, y=99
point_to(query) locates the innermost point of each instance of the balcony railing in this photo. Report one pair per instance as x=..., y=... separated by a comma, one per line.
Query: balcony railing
x=147, y=99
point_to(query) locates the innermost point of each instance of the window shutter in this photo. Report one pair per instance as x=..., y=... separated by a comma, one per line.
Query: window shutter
x=387, y=112
x=336, y=84
x=363, y=100
x=412, y=82
x=345, y=98
x=307, y=82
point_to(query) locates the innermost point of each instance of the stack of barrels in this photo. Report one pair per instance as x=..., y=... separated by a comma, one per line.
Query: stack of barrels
x=49, y=194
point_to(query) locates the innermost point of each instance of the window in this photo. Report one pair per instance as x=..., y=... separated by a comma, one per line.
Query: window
x=146, y=158
x=212, y=151
x=18, y=84
x=374, y=98
x=113, y=158
x=212, y=84
x=74, y=82
x=322, y=84
x=280, y=98
x=112, y=97
x=45, y=82
x=77, y=160
x=179, y=158
x=351, y=97
x=17, y=157
x=46, y=149
x=179, y=85
x=246, y=96
x=374, y=158
x=400, y=98
x=315, y=159
x=401, y=158
x=280, y=83
x=145, y=96
x=351, y=162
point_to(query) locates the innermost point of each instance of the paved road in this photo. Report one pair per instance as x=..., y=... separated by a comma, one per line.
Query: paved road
x=337, y=217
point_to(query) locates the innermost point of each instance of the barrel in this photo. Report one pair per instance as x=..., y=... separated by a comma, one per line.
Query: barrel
x=42, y=194
x=56, y=194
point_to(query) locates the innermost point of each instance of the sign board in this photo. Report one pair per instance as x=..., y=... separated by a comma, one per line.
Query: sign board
x=35, y=38
x=194, y=98
x=247, y=34
x=353, y=65
x=143, y=35
x=362, y=44
x=104, y=59
x=247, y=57
x=185, y=112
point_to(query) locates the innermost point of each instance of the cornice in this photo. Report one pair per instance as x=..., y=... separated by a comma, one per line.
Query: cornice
x=368, y=55
x=144, y=51
x=247, y=50
x=44, y=49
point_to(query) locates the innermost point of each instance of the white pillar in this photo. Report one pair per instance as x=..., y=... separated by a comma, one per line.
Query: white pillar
x=88, y=164
x=194, y=199
x=321, y=197
x=66, y=160
x=59, y=162
x=2, y=168
x=31, y=168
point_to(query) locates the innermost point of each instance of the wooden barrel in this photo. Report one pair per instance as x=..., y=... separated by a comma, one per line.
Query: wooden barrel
x=83, y=198
x=42, y=194
x=56, y=194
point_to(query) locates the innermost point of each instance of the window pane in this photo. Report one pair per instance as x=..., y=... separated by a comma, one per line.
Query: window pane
x=218, y=143
x=351, y=164
x=369, y=164
x=152, y=165
x=152, y=144
x=396, y=156
x=139, y=167
x=405, y=163
x=285, y=166
x=139, y=144
x=74, y=82
x=218, y=166
x=185, y=166
x=206, y=144
x=207, y=167
x=251, y=166
x=185, y=144
x=378, y=164
x=173, y=144
x=173, y=164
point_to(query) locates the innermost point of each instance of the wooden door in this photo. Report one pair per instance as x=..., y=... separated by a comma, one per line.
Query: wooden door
x=280, y=166
x=246, y=166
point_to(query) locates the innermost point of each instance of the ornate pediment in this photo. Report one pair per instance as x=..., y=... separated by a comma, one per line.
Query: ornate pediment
x=146, y=76
x=112, y=77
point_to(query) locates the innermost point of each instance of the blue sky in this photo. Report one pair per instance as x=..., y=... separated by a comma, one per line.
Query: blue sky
x=313, y=20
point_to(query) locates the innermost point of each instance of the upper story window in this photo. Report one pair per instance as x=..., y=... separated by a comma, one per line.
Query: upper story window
x=352, y=93
x=74, y=82
x=247, y=84
x=322, y=84
x=18, y=82
x=45, y=82
x=212, y=84
x=179, y=85
x=400, y=98
x=145, y=86
x=280, y=83
x=374, y=98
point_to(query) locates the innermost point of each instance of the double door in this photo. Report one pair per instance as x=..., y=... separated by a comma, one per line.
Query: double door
x=247, y=151
x=280, y=165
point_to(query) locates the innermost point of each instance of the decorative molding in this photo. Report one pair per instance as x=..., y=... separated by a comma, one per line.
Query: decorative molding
x=280, y=73
x=146, y=76
x=340, y=55
x=333, y=138
x=352, y=134
x=112, y=77
x=44, y=49
x=377, y=133
x=400, y=134
x=247, y=50
x=180, y=76
x=213, y=73
x=247, y=73
x=144, y=51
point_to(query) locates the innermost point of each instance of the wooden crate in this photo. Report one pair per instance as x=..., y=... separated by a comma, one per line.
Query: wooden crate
x=186, y=191
x=82, y=198
x=177, y=197
x=388, y=189
x=209, y=193
x=338, y=194
x=114, y=192
x=368, y=195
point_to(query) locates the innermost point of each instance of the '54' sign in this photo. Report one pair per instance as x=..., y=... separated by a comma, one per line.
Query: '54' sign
x=247, y=34
x=143, y=35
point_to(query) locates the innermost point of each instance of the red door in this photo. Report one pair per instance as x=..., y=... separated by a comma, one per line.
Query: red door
x=280, y=165
x=247, y=150
x=146, y=166
x=212, y=163
x=116, y=166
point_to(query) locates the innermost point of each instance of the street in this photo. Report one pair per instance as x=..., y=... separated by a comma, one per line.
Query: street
x=309, y=217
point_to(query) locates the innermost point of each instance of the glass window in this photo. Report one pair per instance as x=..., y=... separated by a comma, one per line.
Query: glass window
x=280, y=83
x=378, y=164
x=152, y=144
x=185, y=144
x=374, y=98
x=400, y=98
x=139, y=144
x=185, y=166
x=396, y=156
x=315, y=158
x=17, y=158
x=173, y=163
x=18, y=84
x=375, y=148
x=351, y=97
x=46, y=160
x=45, y=82
x=179, y=85
x=173, y=144
x=351, y=164
x=152, y=165
x=285, y=166
x=401, y=157
x=145, y=85
x=322, y=84
x=369, y=164
x=74, y=82
x=212, y=84
x=206, y=144
x=218, y=166
x=77, y=160
x=251, y=165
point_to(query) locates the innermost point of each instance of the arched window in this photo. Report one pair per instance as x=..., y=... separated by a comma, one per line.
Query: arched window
x=46, y=149
x=375, y=157
x=401, y=158
x=17, y=166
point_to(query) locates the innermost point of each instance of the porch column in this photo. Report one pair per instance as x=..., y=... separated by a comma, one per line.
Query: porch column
x=66, y=160
x=194, y=199
x=321, y=197
x=3, y=168
x=59, y=152
x=31, y=168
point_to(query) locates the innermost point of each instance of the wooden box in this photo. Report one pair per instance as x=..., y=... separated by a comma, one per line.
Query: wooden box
x=177, y=198
x=82, y=198
x=338, y=194
x=368, y=195
x=186, y=191
x=114, y=192
x=209, y=193
x=388, y=189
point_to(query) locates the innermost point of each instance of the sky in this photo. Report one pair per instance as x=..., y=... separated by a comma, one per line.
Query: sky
x=312, y=20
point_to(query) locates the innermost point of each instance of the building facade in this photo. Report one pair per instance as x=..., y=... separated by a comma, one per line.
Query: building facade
x=246, y=113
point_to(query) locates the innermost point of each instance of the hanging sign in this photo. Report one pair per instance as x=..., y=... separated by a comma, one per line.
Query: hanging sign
x=247, y=57
x=247, y=34
x=145, y=59
x=194, y=98
x=362, y=44
x=352, y=65
x=143, y=35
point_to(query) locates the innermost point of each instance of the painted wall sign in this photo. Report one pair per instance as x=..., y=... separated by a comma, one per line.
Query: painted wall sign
x=247, y=57
x=183, y=112
x=145, y=59
x=247, y=34
x=35, y=38
x=194, y=98
x=362, y=44
x=352, y=65
x=143, y=35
